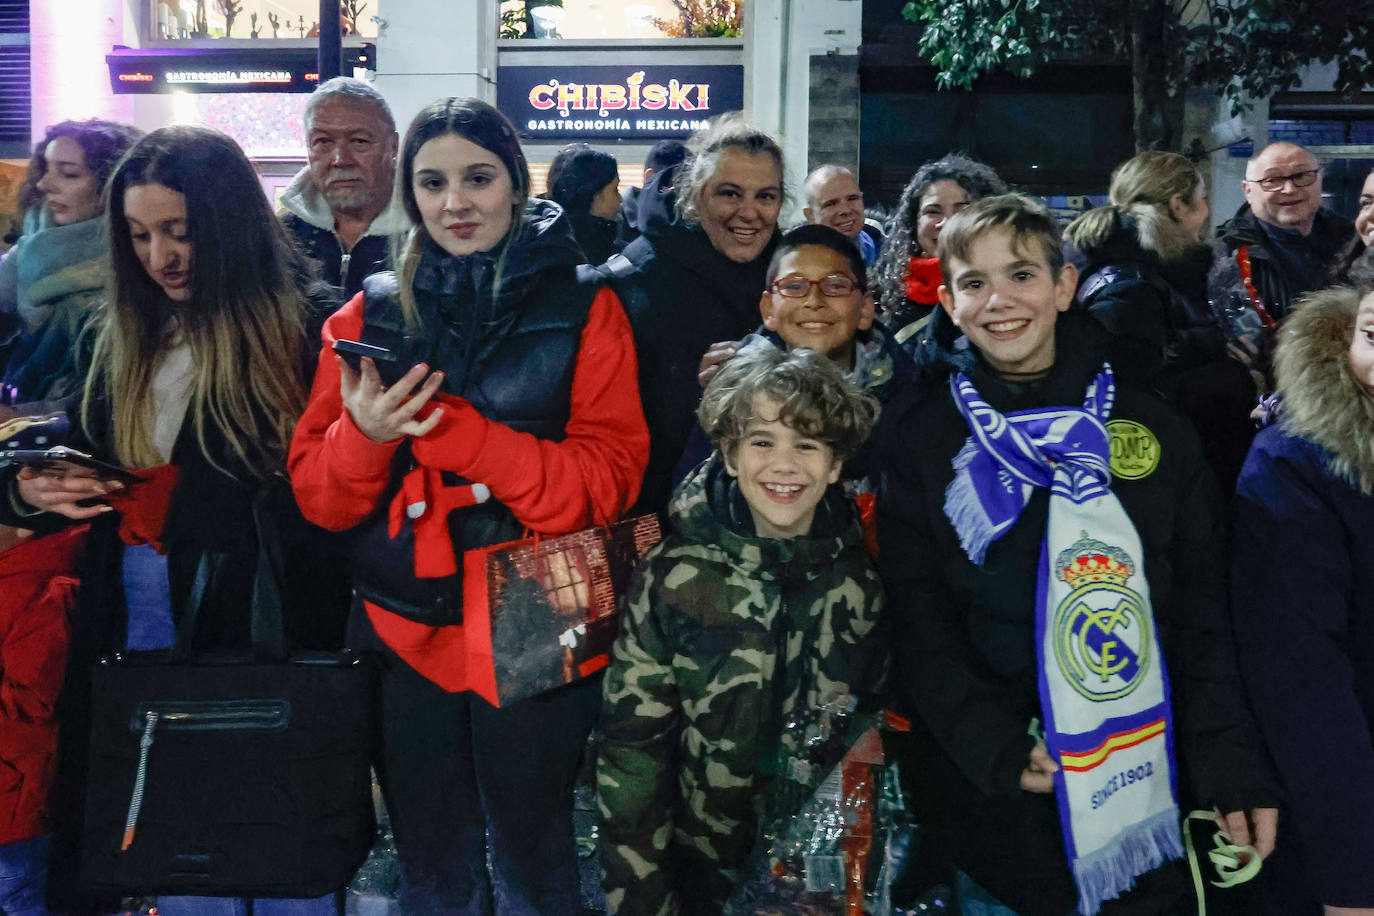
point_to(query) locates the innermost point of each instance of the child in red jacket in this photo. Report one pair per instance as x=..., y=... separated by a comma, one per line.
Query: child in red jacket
x=37, y=590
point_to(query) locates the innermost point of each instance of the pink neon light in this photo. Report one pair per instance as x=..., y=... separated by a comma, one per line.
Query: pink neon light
x=67, y=66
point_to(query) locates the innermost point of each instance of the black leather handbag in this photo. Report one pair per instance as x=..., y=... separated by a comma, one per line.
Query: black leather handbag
x=243, y=777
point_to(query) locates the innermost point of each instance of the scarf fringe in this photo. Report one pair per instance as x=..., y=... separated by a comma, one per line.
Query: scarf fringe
x=1110, y=872
x=964, y=508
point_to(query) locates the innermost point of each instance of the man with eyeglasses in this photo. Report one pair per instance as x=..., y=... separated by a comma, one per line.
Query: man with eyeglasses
x=1282, y=240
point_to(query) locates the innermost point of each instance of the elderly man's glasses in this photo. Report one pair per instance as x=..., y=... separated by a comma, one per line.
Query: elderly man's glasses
x=832, y=287
x=1302, y=179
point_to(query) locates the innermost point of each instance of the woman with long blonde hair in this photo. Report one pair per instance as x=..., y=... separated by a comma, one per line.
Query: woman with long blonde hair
x=197, y=375
x=1143, y=274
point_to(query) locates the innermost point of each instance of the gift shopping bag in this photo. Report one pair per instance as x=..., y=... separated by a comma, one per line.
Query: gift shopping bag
x=835, y=831
x=541, y=612
x=243, y=776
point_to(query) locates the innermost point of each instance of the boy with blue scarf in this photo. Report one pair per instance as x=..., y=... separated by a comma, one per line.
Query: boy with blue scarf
x=1055, y=566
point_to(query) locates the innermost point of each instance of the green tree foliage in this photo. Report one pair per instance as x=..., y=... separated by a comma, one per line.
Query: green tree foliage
x=1244, y=47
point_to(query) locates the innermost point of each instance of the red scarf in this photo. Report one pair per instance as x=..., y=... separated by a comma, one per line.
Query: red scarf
x=923, y=279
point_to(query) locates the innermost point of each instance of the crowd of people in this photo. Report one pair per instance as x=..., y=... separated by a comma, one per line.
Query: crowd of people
x=1082, y=506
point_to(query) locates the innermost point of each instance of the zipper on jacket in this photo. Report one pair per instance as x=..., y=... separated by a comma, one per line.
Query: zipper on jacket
x=193, y=715
x=345, y=257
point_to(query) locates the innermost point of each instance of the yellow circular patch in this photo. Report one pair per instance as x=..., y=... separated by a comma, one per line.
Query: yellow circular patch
x=1135, y=450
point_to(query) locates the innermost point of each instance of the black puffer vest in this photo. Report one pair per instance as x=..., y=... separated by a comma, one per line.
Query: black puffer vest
x=512, y=356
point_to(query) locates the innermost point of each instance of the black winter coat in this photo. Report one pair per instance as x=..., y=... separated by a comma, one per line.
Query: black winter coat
x=964, y=636
x=1158, y=308
x=343, y=269
x=512, y=355
x=1276, y=282
x=684, y=296
x=1167, y=339
x=210, y=512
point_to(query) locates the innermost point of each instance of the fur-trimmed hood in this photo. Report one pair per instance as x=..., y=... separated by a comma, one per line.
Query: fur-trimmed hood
x=1323, y=401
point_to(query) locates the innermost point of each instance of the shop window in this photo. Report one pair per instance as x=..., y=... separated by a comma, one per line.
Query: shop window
x=566, y=578
x=15, y=95
x=621, y=19
x=173, y=20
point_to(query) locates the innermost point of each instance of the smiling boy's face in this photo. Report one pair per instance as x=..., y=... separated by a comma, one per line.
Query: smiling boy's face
x=826, y=324
x=1005, y=298
x=782, y=473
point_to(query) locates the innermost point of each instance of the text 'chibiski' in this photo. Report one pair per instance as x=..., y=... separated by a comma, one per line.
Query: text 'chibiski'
x=632, y=95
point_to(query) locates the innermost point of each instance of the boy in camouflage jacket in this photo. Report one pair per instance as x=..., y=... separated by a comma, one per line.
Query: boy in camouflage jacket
x=759, y=603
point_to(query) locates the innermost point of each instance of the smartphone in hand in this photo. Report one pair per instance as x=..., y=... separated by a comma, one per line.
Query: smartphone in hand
x=389, y=367
x=63, y=460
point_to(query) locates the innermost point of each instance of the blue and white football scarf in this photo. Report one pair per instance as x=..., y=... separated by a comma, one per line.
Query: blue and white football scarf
x=1103, y=688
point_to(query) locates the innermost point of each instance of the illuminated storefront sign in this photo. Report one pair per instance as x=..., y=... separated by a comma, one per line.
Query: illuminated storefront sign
x=632, y=102
x=204, y=77
x=229, y=70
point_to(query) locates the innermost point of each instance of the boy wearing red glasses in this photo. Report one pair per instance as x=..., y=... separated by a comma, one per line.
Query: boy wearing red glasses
x=817, y=297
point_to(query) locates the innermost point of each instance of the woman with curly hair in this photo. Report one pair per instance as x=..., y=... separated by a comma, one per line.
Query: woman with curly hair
x=58, y=267
x=908, y=272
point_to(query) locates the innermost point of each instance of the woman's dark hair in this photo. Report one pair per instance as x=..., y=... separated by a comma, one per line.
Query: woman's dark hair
x=1360, y=272
x=475, y=121
x=102, y=143
x=245, y=316
x=1354, y=264
x=977, y=180
x=577, y=174
x=240, y=249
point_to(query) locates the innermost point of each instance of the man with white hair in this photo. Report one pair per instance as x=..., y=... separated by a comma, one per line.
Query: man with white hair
x=340, y=207
x=833, y=199
x=1283, y=240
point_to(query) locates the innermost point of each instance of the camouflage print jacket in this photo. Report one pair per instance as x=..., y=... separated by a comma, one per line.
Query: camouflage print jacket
x=725, y=635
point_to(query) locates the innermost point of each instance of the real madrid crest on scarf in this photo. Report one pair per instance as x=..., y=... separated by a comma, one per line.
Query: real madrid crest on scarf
x=1102, y=629
x=1104, y=692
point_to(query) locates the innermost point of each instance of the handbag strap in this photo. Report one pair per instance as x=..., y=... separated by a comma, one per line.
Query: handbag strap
x=266, y=629
x=190, y=615
x=267, y=626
